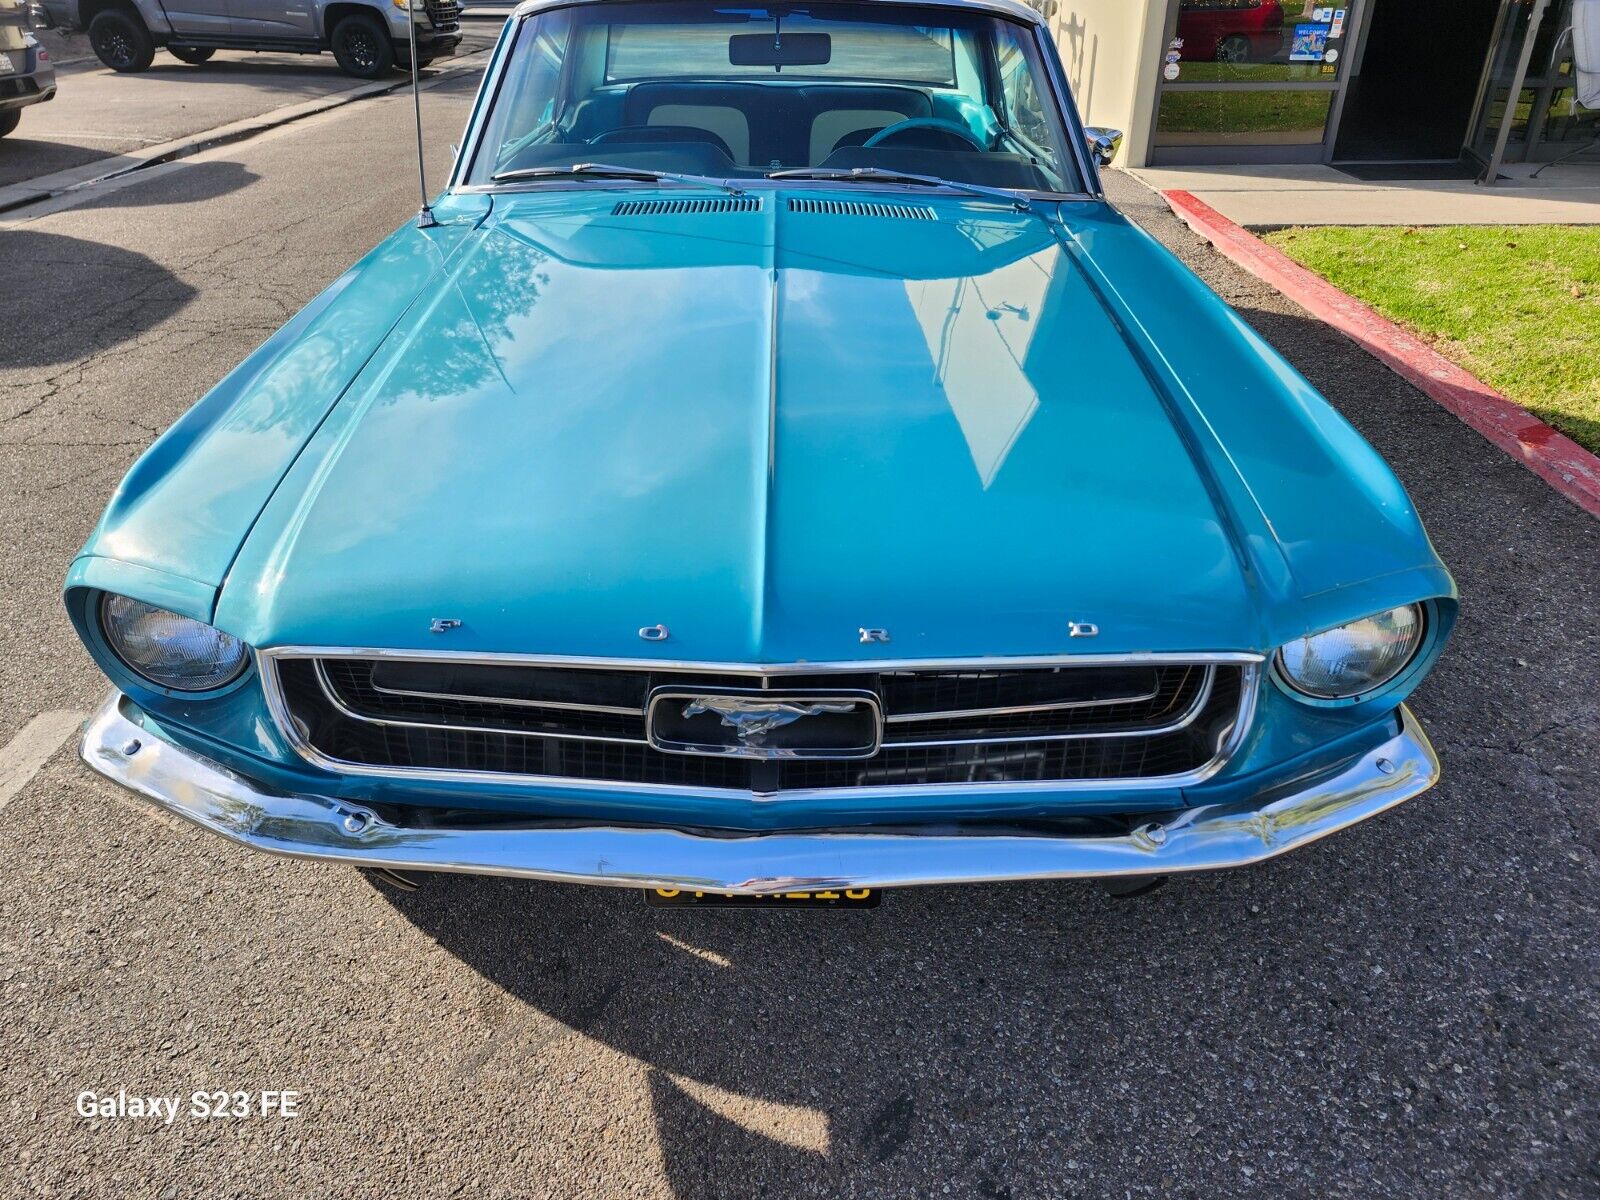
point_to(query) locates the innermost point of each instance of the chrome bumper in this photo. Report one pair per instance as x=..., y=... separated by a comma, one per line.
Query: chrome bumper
x=315, y=827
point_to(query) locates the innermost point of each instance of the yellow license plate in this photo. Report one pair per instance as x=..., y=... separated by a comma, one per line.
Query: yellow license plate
x=845, y=898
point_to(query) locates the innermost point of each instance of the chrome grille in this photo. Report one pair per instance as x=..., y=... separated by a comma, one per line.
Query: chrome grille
x=1136, y=722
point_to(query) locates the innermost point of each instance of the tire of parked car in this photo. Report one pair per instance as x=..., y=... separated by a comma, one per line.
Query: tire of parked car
x=1235, y=48
x=193, y=55
x=120, y=40
x=9, y=120
x=361, y=46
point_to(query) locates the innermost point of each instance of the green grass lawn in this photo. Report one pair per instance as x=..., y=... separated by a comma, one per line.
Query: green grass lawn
x=1517, y=305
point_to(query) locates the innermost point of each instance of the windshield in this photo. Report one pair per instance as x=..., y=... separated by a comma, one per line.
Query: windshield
x=743, y=92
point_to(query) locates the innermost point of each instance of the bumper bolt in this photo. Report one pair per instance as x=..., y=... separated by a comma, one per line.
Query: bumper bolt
x=1150, y=835
x=1387, y=767
x=131, y=747
x=355, y=822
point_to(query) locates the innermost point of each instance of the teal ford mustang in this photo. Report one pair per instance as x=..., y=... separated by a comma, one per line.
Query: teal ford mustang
x=770, y=466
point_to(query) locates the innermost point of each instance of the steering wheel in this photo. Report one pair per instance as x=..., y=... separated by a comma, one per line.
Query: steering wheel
x=951, y=131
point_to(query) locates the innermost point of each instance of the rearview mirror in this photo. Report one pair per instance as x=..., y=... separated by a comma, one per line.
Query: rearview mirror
x=780, y=49
x=1103, y=143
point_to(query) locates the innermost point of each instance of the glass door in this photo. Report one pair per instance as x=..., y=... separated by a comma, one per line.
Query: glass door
x=1514, y=98
x=1250, y=80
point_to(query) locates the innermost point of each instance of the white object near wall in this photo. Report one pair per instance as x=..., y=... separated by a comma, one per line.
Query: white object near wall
x=1586, y=51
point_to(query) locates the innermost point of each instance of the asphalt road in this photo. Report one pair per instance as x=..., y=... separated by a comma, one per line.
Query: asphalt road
x=1408, y=1009
x=98, y=113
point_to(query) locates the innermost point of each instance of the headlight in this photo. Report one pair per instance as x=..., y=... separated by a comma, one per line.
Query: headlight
x=168, y=650
x=1355, y=658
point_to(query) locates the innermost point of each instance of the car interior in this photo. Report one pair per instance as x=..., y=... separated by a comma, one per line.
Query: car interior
x=711, y=99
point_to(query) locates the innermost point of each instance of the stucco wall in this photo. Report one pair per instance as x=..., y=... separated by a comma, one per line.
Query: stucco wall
x=1112, y=51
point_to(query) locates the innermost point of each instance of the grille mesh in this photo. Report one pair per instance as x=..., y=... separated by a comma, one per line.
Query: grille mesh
x=445, y=15
x=942, y=726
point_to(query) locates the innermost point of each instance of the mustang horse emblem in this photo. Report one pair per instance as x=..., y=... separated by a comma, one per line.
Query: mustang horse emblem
x=751, y=720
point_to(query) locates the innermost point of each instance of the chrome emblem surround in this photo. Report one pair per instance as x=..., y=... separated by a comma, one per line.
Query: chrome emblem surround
x=753, y=717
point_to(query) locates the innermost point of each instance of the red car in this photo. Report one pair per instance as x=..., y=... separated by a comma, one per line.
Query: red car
x=1230, y=31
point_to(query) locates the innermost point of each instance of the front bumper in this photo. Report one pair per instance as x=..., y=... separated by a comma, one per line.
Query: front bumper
x=432, y=46
x=1195, y=839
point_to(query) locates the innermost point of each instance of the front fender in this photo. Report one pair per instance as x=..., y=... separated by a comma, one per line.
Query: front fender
x=154, y=17
x=188, y=502
x=1329, y=532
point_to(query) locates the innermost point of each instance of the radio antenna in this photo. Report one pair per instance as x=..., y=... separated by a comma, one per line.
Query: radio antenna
x=424, y=214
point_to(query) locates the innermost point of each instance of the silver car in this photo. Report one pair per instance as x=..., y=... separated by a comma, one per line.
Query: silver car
x=26, y=74
x=368, y=38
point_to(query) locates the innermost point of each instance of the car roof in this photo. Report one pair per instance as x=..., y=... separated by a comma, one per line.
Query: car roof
x=1010, y=8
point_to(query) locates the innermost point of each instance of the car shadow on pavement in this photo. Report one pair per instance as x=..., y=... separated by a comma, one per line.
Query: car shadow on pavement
x=102, y=296
x=798, y=1047
x=270, y=74
x=992, y=1039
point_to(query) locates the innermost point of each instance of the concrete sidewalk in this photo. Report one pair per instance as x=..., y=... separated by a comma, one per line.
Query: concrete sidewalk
x=1271, y=197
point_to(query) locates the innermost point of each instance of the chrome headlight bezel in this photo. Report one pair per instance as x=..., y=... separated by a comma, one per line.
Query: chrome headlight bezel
x=1411, y=647
x=143, y=639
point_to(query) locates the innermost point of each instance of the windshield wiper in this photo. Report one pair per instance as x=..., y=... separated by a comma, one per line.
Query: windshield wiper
x=1021, y=201
x=596, y=170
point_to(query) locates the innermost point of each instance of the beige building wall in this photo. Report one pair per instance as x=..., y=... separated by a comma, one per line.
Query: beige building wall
x=1112, y=50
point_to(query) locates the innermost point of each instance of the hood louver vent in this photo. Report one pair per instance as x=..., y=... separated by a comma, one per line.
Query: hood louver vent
x=864, y=208
x=659, y=208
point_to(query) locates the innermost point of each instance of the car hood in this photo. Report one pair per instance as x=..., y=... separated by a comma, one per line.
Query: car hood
x=765, y=432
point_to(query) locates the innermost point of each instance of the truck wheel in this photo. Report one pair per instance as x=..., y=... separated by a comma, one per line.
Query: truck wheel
x=120, y=40
x=193, y=55
x=361, y=45
x=9, y=120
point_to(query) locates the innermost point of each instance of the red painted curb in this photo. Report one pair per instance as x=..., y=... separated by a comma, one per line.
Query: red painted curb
x=1554, y=457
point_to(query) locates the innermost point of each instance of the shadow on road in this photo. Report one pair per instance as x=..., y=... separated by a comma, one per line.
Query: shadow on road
x=275, y=72
x=190, y=183
x=981, y=1037
x=23, y=158
x=100, y=295
x=869, y=1030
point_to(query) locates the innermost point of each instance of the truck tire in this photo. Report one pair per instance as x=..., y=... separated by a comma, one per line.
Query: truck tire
x=193, y=55
x=120, y=40
x=9, y=120
x=362, y=47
